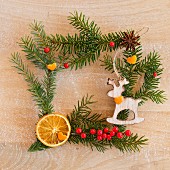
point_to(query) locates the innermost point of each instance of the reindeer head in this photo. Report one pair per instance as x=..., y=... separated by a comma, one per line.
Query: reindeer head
x=117, y=91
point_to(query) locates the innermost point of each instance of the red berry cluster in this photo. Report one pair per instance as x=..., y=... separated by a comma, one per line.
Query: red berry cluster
x=105, y=133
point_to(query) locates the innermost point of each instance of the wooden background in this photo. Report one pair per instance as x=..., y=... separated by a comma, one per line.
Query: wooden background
x=18, y=114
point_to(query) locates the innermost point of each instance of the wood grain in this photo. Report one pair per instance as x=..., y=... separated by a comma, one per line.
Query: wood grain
x=18, y=114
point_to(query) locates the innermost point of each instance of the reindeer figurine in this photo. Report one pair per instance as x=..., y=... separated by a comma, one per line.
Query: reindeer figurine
x=123, y=103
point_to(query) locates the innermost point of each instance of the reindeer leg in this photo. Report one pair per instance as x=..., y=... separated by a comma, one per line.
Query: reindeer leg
x=114, y=118
x=137, y=119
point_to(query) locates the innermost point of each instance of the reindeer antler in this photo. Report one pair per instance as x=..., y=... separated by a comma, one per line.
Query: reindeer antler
x=111, y=82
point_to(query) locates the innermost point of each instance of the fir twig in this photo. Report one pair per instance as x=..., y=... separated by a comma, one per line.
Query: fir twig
x=35, y=87
x=149, y=90
x=80, y=22
x=40, y=37
x=107, y=62
x=37, y=146
x=32, y=52
x=129, y=144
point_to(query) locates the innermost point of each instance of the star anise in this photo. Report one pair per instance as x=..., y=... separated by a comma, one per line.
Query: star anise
x=129, y=40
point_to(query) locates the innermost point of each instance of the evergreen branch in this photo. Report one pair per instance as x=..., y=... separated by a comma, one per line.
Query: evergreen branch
x=41, y=40
x=157, y=96
x=80, y=22
x=149, y=90
x=115, y=37
x=33, y=54
x=84, y=48
x=82, y=60
x=82, y=112
x=37, y=146
x=49, y=84
x=35, y=87
x=137, y=52
x=39, y=34
x=123, y=115
x=129, y=144
x=107, y=62
x=78, y=50
x=150, y=63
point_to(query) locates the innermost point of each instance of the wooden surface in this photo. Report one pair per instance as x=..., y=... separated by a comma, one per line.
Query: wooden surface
x=18, y=114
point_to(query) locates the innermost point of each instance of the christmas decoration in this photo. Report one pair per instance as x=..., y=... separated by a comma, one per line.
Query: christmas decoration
x=115, y=129
x=112, y=44
x=66, y=65
x=54, y=133
x=104, y=135
x=76, y=51
x=112, y=133
x=109, y=137
x=127, y=103
x=155, y=74
x=128, y=133
x=120, y=135
x=78, y=130
x=105, y=130
x=92, y=131
x=99, y=132
x=52, y=67
x=129, y=40
x=132, y=60
x=47, y=50
x=83, y=135
x=99, y=138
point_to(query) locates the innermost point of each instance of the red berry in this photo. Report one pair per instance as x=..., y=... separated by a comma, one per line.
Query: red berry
x=46, y=49
x=109, y=137
x=78, y=130
x=112, y=133
x=99, y=132
x=105, y=130
x=120, y=135
x=128, y=133
x=115, y=129
x=66, y=65
x=104, y=136
x=111, y=44
x=155, y=74
x=83, y=135
x=99, y=138
x=92, y=131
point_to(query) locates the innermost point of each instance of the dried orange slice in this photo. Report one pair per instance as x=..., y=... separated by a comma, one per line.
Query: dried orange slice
x=53, y=129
